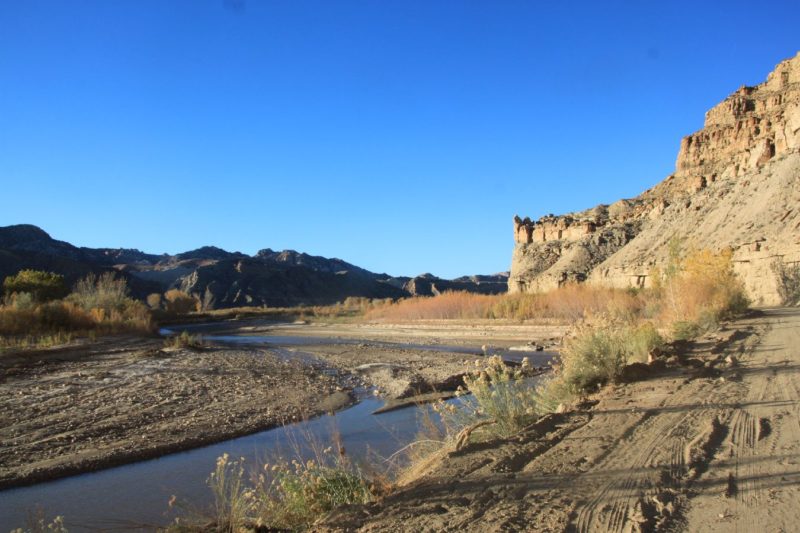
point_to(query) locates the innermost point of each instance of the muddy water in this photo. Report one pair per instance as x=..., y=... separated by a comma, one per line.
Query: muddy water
x=135, y=496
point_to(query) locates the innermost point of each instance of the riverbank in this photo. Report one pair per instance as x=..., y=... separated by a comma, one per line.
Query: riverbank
x=92, y=405
x=117, y=400
x=706, y=440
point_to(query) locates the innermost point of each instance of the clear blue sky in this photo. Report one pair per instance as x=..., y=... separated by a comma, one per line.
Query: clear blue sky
x=401, y=136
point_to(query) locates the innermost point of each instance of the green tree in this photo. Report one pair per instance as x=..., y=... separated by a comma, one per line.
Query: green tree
x=42, y=286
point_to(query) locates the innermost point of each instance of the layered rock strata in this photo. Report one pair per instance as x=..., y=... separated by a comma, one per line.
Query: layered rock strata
x=736, y=185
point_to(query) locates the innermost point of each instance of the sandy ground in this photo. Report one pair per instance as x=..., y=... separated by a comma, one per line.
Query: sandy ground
x=704, y=444
x=452, y=332
x=84, y=407
x=64, y=411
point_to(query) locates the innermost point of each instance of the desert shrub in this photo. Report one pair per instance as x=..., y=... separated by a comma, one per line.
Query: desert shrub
x=154, y=301
x=233, y=500
x=184, y=340
x=788, y=281
x=284, y=495
x=98, y=305
x=503, y=395
x=294, y=494
x=20, y=301
x=596, y=354
x=695, y=292
x=38, y=523
x=50, y=317
x=106, y=292
x=41, y=286
x=180, y=302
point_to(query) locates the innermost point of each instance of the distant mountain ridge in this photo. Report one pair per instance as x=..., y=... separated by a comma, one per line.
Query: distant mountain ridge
x=221, y=279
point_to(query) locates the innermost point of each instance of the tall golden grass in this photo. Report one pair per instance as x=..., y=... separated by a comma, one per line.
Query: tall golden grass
x=570, y=303
x=449, y=305
x=694, y=292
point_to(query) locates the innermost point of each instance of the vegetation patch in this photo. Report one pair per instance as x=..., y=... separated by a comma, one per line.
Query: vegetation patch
x=284, y=495
x=96, y=305
x=788, y=277
x=184, y=340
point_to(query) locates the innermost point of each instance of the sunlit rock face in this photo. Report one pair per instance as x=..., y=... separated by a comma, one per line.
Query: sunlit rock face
x=735, y=186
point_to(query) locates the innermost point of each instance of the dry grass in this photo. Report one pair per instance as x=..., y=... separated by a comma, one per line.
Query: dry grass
x=694, y=293
x=571, y=302
x=351, y=309
x=284, y=495
x=449, y=305
x=613, y=329
x=97, y=306
x=184, y=340
x=568, y=303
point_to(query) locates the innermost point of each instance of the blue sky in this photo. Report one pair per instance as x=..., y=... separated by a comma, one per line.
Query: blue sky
x=401, y=136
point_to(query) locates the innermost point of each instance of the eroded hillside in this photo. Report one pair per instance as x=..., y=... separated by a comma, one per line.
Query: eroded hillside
x=735, y=186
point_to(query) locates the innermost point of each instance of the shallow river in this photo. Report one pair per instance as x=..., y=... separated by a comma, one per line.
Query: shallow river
x=136, y=495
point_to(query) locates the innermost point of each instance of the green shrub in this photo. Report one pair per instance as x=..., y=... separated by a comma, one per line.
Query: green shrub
x=597, y=354
x=283, y=496
x=503, y=395
x=41, y=286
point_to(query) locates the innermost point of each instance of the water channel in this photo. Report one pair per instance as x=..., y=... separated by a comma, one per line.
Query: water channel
x=135, y=496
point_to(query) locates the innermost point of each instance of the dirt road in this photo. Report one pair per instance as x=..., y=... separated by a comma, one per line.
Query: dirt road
x=706, y=445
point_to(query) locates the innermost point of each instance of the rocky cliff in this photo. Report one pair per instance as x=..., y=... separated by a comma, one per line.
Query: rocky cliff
x=736, y=184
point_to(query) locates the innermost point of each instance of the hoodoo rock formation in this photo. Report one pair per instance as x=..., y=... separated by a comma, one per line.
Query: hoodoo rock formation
x=736, y=185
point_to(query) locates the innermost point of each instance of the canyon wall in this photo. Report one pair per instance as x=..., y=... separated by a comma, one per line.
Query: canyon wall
x=736, y=185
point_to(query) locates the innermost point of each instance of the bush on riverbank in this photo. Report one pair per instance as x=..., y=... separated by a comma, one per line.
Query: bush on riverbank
x=184, y=340
x=38, y=285
x=695, y=292
x=285, y=495
x=96, y=306
x=502, y=394
x=597, y=353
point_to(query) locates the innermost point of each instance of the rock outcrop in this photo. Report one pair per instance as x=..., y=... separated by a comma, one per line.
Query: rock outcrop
x=430, y=285
x=736, y=185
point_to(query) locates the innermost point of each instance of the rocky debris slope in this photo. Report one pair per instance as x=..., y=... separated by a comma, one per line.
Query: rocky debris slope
x=736, y=185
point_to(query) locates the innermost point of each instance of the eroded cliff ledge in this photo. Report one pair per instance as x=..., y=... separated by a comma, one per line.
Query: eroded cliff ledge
x=736, y=184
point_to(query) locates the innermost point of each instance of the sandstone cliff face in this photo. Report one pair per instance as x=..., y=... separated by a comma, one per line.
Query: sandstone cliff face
x=736, y=185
